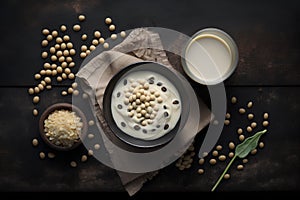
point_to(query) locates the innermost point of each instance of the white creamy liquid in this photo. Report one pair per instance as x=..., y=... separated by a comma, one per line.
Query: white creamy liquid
x=128, y=102
x=208, y=58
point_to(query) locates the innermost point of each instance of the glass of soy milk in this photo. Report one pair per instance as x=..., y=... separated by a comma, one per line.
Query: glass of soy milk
x=210, y=56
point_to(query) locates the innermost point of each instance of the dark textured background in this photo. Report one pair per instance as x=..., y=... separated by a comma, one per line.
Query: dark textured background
x=267, y=35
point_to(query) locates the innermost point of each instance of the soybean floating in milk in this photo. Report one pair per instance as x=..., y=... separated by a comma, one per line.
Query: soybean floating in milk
x=210, y=56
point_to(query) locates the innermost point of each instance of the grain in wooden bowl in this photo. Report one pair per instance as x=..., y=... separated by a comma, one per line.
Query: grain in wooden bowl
x=62, y=126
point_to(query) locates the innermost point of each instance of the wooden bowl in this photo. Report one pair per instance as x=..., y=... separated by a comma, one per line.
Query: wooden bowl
x=60, y=106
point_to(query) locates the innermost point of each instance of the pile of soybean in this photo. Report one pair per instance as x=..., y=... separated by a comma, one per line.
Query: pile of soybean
x=223, y=153
x=59, y=55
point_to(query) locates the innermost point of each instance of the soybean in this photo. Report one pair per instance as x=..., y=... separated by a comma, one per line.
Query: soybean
x=233, y=100
x=69, y=59
x=92, y=47
x=113, y=36
x=249, y=129
x=215, y=153
x=43, y=83
x=101, y=40
x=227, y=116
x=82, y=55
x=222, y=157
x=44, y=55
x=59, y=53
x=242, y=110
x=37, y=76
x=42, y=155
x=59, y=40
x=91, y=122
x=35, y=142
x=201, y=161
x=226, y=122
x=204, y=154
x=241, y=138
x=97, y=146
x=219, y=147
x=254, y=151
x=49, y=38
x=63, y=46
x=240, y=167
x=36, y=99
x=105, y=45
x=108, y=20
x=227, y=176
x=71, y=76
x=112, y=27
x=70, y=90
x=212, y=161
x=76, y=27
x=64, y=93
x=54, y=33
x=35, y=112
x=44, y=43
x=84, y=96
x=53, y=58
x=91, y=136
x=95, y=42
x=63, y=28
x=253, y=124
x=123, y=34
x=59, y=79
x=83, y=158
x=266, y=115
x=97, y=34
x=230, y=155
x=31, y=91
x=45, y=31
x=261, y=145
x=74, y=85
x=240, y=131
x=249, y=105
x=36, y=90
x=64, y=64
x=69, y=45
x=231, y=145
x=72, y=52
x=51, y=155
x=250, y=116
x=81, y=18
x=73, y=164
x=265, y=123
x=200, y=171
x=46, y=66
x=75, y=92
x=90, y=152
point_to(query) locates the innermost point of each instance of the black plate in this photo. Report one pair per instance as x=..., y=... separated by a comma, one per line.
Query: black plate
x=143, y=66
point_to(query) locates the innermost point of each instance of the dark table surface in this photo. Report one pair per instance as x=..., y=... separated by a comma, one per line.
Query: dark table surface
x=267, y=35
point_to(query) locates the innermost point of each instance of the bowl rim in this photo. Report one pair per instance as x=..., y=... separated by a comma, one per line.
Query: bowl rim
x=60, y=106
x=219, y=35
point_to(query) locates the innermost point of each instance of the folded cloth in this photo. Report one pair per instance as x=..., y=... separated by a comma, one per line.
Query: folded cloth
x=116, y=59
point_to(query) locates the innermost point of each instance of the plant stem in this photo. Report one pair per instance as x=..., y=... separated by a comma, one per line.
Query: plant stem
x=224, y=172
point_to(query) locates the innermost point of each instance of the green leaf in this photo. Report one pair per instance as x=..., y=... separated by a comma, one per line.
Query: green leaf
x=243, y=149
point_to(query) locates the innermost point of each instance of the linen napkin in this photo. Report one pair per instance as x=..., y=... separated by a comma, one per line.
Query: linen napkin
x=117, y=58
